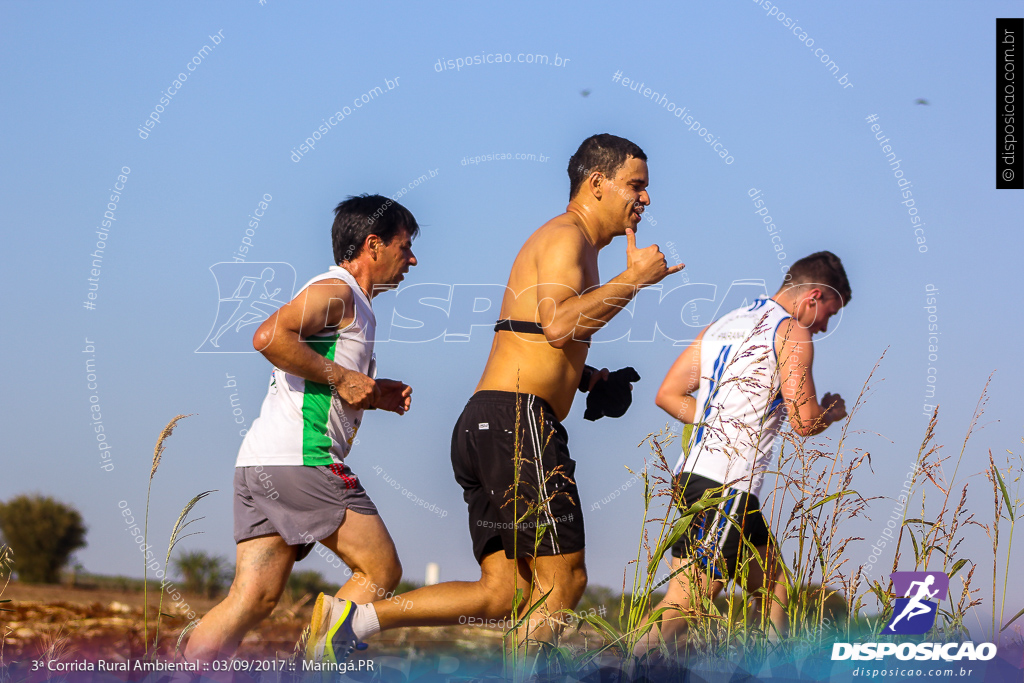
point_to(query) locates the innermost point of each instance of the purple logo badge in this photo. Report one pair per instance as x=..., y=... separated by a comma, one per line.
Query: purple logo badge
x=914, y=613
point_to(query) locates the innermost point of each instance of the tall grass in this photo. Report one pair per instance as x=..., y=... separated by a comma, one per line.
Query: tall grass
x=1001, y=496
x=158, y=452
x=814, y=498
x=177, y=535
x=829, y=596
x=6, y=569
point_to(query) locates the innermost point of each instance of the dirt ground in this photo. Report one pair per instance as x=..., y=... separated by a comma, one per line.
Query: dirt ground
x=65, y=623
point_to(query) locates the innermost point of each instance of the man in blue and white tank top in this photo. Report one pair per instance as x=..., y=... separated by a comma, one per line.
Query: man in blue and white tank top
x=292, y=486
x=737, y=384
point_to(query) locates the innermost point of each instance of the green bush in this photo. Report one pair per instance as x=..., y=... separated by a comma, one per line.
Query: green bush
x=43, y=533
x=202, y=573
x=309, y=581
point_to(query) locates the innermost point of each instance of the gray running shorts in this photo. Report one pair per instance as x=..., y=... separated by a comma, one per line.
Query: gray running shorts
x=300, y=503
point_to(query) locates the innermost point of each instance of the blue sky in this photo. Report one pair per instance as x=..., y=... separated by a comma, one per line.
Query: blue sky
x=80, y=80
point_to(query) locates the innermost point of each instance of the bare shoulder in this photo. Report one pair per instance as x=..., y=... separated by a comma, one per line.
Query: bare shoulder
x=790, y=336
x=560, y=232
x=554, y=253
x=328, y=289
x=330, y=302
x=789, y=331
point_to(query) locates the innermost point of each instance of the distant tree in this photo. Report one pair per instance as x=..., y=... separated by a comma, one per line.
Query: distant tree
x=202, y=573
x=43, y=533
x=308, y=581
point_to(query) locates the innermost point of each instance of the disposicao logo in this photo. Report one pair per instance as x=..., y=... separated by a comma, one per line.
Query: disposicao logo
x=914, y=614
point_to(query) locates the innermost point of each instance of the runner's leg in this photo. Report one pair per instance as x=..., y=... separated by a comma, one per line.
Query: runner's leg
x=364, y=544
x=686, y=593
x=766, y=572
x=455, y=602
x=566, y=577
x=261, y=571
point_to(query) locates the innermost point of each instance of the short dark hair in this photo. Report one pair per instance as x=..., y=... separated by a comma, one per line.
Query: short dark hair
x=602, y=152
x=820, y=268
x=357, y=218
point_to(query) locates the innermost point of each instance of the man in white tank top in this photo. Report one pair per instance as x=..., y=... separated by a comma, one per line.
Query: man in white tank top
x=736, y=384
x=292, y=486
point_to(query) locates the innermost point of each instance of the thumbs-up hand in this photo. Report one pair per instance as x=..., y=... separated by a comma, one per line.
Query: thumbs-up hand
x=648, y=264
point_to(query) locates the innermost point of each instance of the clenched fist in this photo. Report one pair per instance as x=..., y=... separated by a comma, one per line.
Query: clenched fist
x=357, y=390
x=835, y=407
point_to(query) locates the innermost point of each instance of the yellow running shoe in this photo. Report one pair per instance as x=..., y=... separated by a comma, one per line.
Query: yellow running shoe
x=331, y=637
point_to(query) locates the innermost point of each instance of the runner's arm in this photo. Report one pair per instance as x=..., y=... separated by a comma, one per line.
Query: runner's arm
x=567, y=315
x=796, y=355
x=675, y=396
x=281, y=338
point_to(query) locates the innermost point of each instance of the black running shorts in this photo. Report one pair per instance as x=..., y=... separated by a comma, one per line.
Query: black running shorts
x=714, y=538
x=483, y=458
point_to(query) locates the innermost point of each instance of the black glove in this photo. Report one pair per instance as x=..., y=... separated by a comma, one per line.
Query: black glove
x=612, y=396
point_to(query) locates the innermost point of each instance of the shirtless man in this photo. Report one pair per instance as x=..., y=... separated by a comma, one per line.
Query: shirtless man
x=553, y=304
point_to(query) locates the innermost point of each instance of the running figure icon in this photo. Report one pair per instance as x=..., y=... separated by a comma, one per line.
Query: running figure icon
x=915, y=606
x=247, y=294
x=251, y=313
